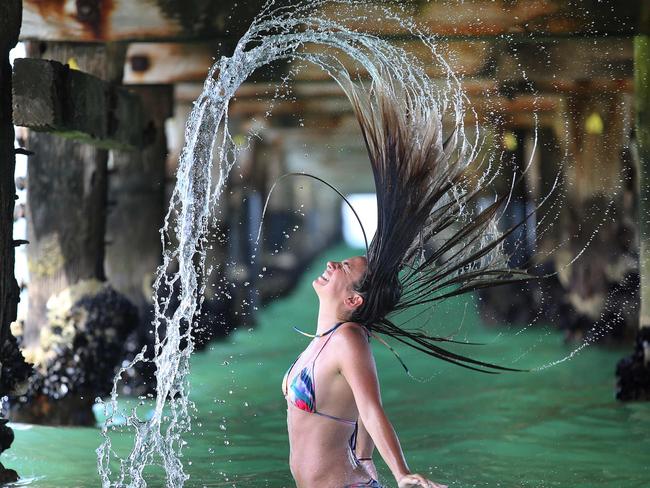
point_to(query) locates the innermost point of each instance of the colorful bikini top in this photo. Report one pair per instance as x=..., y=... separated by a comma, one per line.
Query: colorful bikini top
x=302, y=390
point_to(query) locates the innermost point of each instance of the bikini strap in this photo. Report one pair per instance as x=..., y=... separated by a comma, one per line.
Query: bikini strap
x=318, y=335
x=330, y=333
x=369, y=333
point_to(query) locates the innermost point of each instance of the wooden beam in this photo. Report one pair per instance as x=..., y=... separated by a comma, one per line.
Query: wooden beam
x=173, y=20
x=119, y=20
x=472, y=18
x=51, y=97
x=473, y=87
x=495, y=107
x=166, y=63
x=560, y=62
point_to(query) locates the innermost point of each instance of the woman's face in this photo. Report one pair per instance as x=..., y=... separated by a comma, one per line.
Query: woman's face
x=339, y=278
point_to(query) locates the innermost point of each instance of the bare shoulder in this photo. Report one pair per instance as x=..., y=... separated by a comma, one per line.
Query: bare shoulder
x=352, y=351
x=352, y=336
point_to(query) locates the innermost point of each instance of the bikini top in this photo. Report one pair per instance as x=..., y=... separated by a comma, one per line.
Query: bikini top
x=301, y=392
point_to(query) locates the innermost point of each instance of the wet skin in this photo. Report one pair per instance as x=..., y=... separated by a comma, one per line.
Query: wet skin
x=345, y=378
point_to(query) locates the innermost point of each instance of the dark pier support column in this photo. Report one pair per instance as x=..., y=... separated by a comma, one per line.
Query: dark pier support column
x=633, y=372
x=519, y=246
x=66, y=199
x=66, y=204
x=599, y=297
x=10, y=16
x=76, y=322
x=136, y=210
x=136, y=195
x=13, y=368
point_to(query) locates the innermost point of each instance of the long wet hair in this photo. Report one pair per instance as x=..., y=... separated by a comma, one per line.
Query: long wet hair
x=429, y=244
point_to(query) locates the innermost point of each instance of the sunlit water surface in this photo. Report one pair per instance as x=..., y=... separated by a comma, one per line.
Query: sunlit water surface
x=558, y=427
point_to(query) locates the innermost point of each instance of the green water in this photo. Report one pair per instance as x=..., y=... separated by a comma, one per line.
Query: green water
x=559, y=427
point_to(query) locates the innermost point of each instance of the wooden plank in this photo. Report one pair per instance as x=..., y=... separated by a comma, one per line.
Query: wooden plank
x=467, y=58
x=476, y=88
x=479, y=18
x=178, y=19
x=561, y=61
x=50, y=97
x=117, y=20
x=340, y=105
x=165, y=63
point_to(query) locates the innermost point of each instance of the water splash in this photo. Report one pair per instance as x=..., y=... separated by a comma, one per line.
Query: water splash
x=300, y=35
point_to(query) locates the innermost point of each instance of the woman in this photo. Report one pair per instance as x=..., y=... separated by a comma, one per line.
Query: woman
x=332, y=440
x=429, y=245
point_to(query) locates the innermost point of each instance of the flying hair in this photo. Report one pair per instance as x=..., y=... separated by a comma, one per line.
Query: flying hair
x=427, y=246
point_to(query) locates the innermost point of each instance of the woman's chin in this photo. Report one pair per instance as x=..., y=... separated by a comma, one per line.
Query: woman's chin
x=318, y=285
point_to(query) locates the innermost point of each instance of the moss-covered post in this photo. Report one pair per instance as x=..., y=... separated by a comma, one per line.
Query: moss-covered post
x=633, y=372
x=76, y=323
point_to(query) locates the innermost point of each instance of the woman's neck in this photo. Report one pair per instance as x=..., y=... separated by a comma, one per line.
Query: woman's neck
x=327, y=318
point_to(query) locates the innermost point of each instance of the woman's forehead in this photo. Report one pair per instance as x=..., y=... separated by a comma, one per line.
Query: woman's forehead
x=357, y=262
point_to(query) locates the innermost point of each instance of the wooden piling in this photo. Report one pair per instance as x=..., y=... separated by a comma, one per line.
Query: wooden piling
x=642, y=95
x=77, y=323
x=10, y=18
x=66, y=201
x=137, y=203
x=10, y=358
x=633, y=372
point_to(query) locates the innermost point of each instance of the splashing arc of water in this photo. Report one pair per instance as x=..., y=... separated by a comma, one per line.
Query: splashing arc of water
x=277, y=33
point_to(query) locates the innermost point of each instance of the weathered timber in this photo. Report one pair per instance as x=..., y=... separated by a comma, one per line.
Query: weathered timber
x=633, y=372
x=504, y=59
x=601, y=286
x=90, y=58
x=137, y=188
x=140, y=19
x=642, y=80
x=9, y=27
x=478, y=18
x=13, y=369
x=51, y=97
x=519, y=308
x=66, y=205
x=178, y=19
x=76, y=323
x=549, y=61
x=161, y=63
x=474, y=88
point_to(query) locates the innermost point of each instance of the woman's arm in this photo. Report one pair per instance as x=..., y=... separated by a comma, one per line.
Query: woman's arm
x=358, y=367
